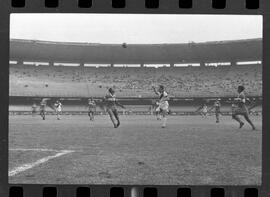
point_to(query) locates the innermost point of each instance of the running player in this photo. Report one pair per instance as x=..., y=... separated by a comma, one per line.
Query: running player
x=216, y=106
x=34, y=109
x=163, y=104
x=43, y=104
x=91, y=108
x=58, y=109
x=239, y=108
x=111, y=104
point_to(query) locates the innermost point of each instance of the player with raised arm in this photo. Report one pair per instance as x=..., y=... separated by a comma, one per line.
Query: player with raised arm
x=163, y=104
x=111, y=106
x=58, y=109
x=239, y=108
x=216, y=106
x=91, y=108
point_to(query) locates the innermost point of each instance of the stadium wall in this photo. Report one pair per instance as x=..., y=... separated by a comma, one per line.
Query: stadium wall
x=178, y=106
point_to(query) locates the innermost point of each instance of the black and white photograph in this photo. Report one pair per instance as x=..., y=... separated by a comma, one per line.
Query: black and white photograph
x=135, y=99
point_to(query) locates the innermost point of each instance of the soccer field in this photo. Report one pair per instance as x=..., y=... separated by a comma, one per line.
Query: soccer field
x=191, y=150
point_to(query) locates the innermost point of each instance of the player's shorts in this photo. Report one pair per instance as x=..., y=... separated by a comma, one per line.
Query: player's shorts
x=164, y=107
x=217, y=111
x=58, y=110
x=111, y=109
x=239, y=110
x=204, y=111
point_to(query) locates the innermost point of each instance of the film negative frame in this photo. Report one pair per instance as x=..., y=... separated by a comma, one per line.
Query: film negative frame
x=243, y=7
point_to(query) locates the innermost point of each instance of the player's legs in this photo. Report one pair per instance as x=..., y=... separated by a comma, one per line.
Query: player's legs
x=92, y=115
x=158, y=113
x=217, y=117
x=115, y=113
x=111, y=117
x=246, y=116
x=58, y=115
x=203, y=114
x=235, y=116
x=42, y=114
x=164, y=113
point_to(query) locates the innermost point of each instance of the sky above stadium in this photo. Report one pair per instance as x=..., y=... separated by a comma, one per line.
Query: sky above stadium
x=134, y=28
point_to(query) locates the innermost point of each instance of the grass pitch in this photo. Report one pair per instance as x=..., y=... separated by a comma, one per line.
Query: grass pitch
x=191, y=150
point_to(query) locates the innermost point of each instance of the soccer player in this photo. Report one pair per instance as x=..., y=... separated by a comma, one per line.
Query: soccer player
x=58, y=109
x=163, y=104
x=91, y=108
x=239, y=108
x=204, y=111
x=43, y=104
x=111, y=104
x=217, y=106
x=34, y=109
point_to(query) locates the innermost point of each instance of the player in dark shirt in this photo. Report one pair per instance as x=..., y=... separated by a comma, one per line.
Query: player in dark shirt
x=111, y=106
x=43, y=104
x=239, y=108
x=216, y=107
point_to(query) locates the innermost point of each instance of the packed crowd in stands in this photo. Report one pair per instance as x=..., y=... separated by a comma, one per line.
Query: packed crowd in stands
x=63, y=81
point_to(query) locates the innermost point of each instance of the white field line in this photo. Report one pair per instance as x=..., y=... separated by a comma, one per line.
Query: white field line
x=34, y=149
x=36, y=163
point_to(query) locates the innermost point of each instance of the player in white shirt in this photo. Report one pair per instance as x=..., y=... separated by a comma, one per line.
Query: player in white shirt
x=91, y=108
x=58, y=109
x=34, y=109
x=204, y=111
x=163, y=104
x=216, y=107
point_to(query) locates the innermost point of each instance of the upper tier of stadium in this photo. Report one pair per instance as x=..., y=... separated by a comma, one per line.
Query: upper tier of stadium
x=95, y=53
x=63, y=81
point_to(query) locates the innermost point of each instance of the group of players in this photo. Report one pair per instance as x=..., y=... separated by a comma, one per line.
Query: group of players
x=110, y=104
x=239, y=107
x=57, y=108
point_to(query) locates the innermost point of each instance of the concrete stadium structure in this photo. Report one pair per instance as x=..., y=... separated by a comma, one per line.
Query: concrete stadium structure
x=95, y=53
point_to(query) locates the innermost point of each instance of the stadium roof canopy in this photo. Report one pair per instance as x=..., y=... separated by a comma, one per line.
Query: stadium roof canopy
x=221, y=51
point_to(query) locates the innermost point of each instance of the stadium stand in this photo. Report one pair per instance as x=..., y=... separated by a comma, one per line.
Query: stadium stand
x=189, y=86
x=63, y=81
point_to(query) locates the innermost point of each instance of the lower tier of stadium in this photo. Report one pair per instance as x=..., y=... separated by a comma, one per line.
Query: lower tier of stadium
x=64, y=81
